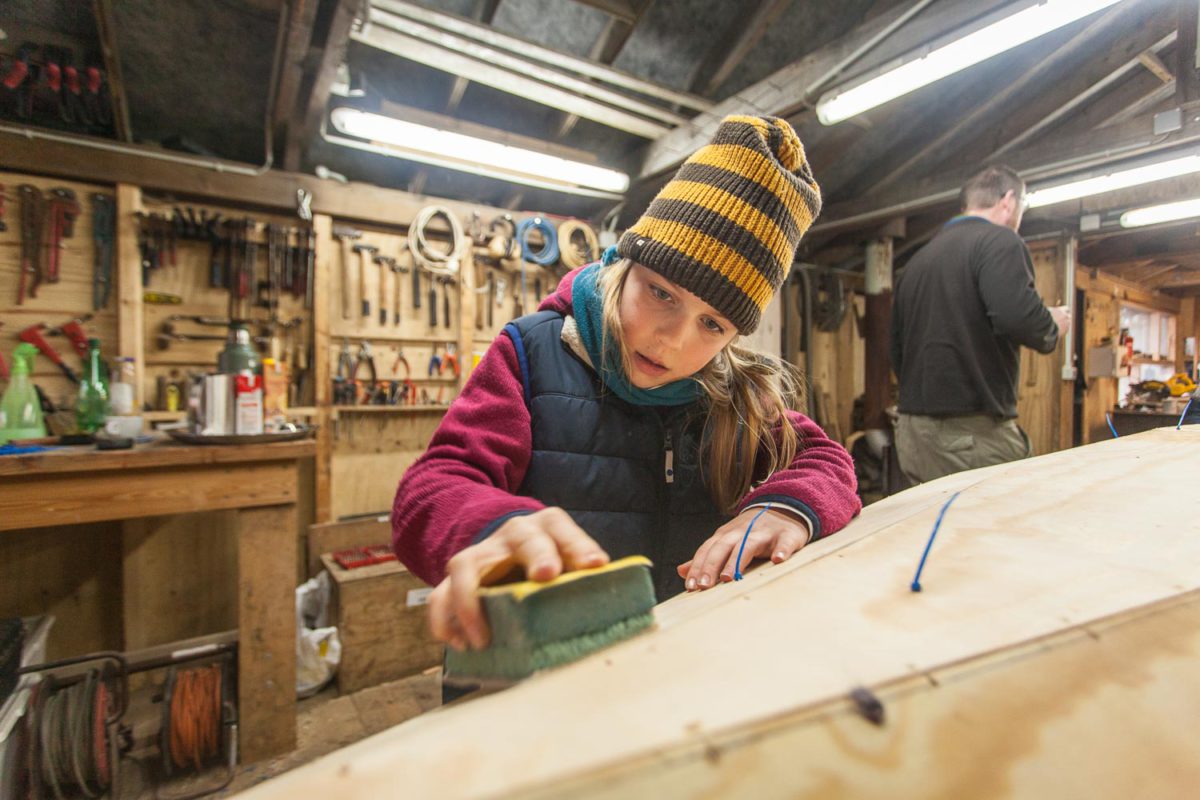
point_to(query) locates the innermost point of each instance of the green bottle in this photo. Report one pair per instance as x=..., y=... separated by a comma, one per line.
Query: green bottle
x=93, y=405
x=239, y=354
x=20, y=411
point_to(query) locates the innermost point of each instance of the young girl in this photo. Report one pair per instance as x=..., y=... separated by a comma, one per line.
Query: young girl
x=622, y=418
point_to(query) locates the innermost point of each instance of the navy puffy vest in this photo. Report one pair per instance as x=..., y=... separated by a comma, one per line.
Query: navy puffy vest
x=605, y=461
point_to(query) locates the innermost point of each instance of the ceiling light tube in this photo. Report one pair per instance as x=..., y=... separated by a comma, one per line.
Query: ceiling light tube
x=1121, y=179
x=478, y=156
x=1016, y=29
x=1167, y=212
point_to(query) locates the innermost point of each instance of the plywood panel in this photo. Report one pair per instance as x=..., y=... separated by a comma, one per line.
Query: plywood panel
x=1102, y=320
x=69, y=572
x=371, y=451
x=1039, y=403
x=1031, y=553
x=179, y=577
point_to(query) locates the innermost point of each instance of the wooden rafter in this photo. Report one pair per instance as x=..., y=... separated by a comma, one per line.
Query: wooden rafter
x=296, y=63
x=605, y=51
x=313, y=103
x=730, y=50
x=1028, y=97
x=1056, y=157
x=485, y=12
x=106, y=31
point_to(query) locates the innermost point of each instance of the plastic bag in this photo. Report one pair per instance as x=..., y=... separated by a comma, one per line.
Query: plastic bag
x=318, y=649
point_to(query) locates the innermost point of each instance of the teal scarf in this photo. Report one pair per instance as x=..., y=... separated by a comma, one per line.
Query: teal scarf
x=586, y=305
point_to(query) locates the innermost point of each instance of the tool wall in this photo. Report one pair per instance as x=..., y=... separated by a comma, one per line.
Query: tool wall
x=48, y=229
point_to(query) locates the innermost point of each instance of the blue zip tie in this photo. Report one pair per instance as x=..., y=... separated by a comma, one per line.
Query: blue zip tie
x=1111, y=427
x=916, y=584
x=1184, y=414
x=737, y=567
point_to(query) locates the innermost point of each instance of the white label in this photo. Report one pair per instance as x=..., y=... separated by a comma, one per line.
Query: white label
x=418, y=597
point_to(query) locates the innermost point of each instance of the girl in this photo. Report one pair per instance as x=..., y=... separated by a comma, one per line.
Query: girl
x=622, y=418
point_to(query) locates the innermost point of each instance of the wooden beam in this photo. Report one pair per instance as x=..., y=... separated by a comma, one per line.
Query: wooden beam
x=1173, y=243
x=505, y=71
x=1060, y=75
x=731, y=49
x=296, y=64
x=303, y=129
x=275, y=189
x=535, y=52
x=540, y=85
x=106, y=31
x=624, y=10
x=1055, y=158
x=1153, y=63
x=787, y=90
x=485, y=12
x=604, y=51
x=1187, y=82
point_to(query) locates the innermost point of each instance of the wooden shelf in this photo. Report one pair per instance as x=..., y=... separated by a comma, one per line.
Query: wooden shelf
x=392, y=337
x=163, y=416
x=1156, y=361
x=389, y=409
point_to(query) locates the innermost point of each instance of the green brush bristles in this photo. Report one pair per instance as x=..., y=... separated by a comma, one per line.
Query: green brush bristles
x=536, y=626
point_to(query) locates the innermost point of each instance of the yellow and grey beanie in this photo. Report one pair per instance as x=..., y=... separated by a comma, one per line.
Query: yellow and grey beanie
x=726, y=227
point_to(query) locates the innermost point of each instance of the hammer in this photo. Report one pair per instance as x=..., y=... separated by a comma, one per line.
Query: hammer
x=345, y=235
x=365, y=252
x=33, y=336
x=387, y=269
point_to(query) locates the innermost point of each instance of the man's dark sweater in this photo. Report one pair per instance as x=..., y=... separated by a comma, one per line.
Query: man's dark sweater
x=963, y=307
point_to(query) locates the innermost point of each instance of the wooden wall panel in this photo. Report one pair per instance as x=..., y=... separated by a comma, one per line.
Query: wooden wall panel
x=68, y=572
x=1102, y=320
x=179, y=577
x=371, y=451
x=55, y=303
x=1039, y=402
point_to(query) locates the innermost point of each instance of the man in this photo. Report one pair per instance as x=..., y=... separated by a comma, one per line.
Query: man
x=964, y=306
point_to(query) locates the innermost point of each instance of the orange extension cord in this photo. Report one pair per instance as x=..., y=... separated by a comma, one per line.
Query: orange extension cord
x=196, y=716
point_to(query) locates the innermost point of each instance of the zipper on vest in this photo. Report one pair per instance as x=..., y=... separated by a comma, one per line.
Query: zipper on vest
x=669, y=460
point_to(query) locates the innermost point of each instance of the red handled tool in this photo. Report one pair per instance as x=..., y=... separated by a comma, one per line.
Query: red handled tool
x=33, y=335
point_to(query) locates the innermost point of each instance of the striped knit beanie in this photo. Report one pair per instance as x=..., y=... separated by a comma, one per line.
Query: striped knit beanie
x=726, y=227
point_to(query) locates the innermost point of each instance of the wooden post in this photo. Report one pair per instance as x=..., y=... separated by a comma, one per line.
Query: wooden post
x=131, y=342
x=466, y=313
x=322, y=297
x=878, y=325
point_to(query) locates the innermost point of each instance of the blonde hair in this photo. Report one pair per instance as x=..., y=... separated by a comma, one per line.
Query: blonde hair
x=749, y=394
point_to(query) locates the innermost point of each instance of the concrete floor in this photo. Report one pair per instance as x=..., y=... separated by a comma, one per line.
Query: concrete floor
x=325, y=722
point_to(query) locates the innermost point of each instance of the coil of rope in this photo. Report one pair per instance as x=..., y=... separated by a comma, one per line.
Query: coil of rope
x=548, y=255
x=573, y=254
x=503, y=244
x=430, y=258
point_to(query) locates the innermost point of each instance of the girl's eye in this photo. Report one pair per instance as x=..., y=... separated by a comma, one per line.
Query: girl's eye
x=659, y=294
x=712, y=325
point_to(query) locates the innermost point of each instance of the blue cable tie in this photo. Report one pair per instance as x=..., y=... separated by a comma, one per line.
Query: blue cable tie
x=916, y=583
x=737, y=567
x=1111, y=427
x=1186, y=408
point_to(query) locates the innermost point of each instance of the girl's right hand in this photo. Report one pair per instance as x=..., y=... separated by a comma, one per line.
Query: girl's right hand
x=543, y=544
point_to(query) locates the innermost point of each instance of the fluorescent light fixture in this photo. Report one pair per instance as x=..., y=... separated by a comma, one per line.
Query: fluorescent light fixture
x=1122, y=179
x=1005, y=34
x=1167, y=212
x=477, y=156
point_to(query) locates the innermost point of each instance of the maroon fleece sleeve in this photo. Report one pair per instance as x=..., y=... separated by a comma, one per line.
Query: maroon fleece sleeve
x=467, y=477
x=820, y=478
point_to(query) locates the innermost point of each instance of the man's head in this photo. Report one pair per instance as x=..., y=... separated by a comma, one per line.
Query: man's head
x=997, y=194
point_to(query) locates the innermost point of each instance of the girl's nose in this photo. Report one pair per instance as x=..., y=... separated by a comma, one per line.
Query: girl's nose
x=670, y=331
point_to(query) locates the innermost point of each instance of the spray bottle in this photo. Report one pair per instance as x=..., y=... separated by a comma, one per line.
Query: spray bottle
x=20, y=412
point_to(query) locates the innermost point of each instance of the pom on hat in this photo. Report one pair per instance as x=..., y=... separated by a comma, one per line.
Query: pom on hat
x=726, y=227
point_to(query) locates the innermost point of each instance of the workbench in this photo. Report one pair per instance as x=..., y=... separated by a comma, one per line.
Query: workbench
x=72, y=485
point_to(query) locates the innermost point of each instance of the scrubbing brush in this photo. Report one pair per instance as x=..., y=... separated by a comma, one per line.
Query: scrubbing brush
x=536, y=626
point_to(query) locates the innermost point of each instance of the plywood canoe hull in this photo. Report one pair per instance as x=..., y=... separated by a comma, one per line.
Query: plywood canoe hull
x=1053, y=651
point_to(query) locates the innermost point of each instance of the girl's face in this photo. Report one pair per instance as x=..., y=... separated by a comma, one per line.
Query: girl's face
x=670, y=333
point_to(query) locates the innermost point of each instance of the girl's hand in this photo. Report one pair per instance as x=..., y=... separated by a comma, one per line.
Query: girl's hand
x=776, y=535
x=543, y=545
